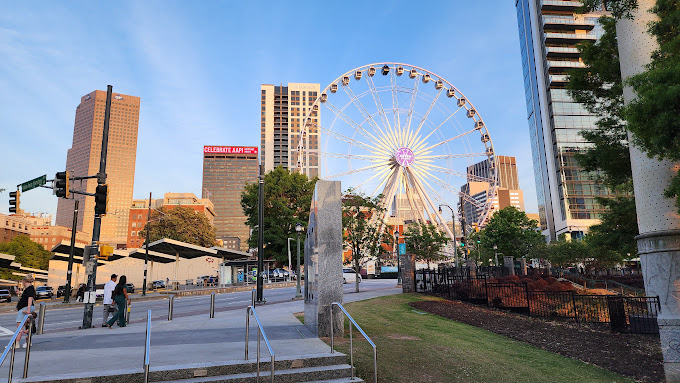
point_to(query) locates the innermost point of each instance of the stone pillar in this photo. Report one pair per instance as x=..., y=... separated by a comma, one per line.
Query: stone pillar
x=323, y=257
x=509, y=263
x=472, y=266
x=408, y=269
x=658, y=220
x=522, y=266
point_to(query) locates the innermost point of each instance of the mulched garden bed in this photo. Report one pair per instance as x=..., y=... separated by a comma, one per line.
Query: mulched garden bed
x=637, y=356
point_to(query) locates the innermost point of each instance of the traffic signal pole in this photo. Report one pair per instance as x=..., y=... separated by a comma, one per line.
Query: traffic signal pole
x=91, y=252
x=69, y=271
x=260, y=237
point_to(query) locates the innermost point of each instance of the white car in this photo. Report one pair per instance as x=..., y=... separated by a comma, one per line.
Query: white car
x=349, y=276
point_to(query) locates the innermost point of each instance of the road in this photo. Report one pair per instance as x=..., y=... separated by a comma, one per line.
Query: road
x=71, y=317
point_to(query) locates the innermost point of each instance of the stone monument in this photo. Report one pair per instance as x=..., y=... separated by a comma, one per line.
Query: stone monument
x=408, y=269
x=323, y=260
x=509, y=263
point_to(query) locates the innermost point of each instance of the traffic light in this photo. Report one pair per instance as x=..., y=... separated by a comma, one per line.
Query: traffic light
x=462, y=241
x=476, y=227
x=14, y=201
x=62, y=184
x=101, y=199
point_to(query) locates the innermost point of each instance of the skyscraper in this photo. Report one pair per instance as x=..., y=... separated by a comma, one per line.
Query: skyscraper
x=83, y=159
x=549, y=32
x=507, y=192
x=226, y=170
x=283, y=110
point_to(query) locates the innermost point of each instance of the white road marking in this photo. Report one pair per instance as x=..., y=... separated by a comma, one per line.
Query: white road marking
x=6, y=332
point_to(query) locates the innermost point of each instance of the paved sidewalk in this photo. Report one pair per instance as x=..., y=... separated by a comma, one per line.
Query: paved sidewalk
x=185, y=340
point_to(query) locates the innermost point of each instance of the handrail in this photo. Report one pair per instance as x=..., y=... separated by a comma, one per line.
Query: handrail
x=11, y=347
x=260, y=333
x=147, y=347
x=351, y=350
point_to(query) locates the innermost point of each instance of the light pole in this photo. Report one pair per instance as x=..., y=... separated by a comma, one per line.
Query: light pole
x=146, y=246
x=396, y=248
x=290, y=267
x=455, y=245
x=299, y=229
x=495, y=254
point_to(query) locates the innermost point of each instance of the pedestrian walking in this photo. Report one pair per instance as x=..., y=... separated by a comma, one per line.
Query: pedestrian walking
x=120, y=296
x=80, y=295
x=25, y=305
x=109, y=306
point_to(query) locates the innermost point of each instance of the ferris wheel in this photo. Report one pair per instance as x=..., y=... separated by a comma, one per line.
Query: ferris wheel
x=407, y=134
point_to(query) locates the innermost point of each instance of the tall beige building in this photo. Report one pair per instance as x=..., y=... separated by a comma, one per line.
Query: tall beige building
x=83, y=159
x=283, y=110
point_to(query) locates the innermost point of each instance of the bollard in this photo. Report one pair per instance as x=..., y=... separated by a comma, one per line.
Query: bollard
x=41, y=318
x=212, y=305
x=171, y=306
x=252, y=299
x=128, y=308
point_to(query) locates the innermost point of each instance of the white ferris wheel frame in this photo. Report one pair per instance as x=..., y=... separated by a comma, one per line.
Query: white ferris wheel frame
x=395, y=175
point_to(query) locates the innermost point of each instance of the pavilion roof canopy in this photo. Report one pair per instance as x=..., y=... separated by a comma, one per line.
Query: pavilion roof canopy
x=62, y=249
x=154, y=256
x=182, y=249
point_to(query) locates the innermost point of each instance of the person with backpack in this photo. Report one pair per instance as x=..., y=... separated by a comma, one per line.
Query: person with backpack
x=120, y=296
x=25, y=305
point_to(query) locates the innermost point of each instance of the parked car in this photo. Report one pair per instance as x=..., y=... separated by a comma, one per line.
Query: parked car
x=158, y=284
x=350, y=276
x=43, y=292
x=279, y=274
x=61, y=290
x=5, y=296
x=99, y=291
x=130, y=288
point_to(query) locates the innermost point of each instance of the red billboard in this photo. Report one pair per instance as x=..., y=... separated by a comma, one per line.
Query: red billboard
x=230, y=149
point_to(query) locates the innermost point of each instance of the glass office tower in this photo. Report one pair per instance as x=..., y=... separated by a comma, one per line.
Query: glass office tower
x=549, y=32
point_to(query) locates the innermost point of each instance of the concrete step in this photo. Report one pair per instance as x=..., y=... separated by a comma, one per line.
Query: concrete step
x=204, y=370
x=304, y=374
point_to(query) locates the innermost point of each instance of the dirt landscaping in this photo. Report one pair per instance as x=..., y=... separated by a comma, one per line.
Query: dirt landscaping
x=637, y=356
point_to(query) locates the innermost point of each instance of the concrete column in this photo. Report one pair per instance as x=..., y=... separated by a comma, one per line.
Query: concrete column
x=408, y=267
x=658, y=220
x=472, y=266
x=509, y=263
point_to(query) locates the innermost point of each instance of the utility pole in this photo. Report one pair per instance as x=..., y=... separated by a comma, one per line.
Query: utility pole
x=90, y=254
x=146, y=253
x=260, y=237
x=69, y=271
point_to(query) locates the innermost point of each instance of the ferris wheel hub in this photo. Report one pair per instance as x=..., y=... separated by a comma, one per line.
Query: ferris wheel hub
x=404, y=157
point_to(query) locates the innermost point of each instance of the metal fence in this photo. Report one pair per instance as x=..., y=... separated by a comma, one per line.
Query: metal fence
x=632, y=314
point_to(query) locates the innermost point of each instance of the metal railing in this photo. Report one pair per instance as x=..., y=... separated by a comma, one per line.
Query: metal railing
x=212, y=305
x=351, y=350
x=11, y=347
x=260, y=334
x=41, y=318
x=147, y=347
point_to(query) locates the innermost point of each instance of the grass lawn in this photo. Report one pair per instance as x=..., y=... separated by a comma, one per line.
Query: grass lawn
x=417, y=347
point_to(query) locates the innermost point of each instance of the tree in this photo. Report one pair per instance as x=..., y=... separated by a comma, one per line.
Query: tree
x=599, y=88
x=364, y=230
x=180, y=223
x=512, y=231
x=568, y=253
x=28, y=254
x=426, y=242
x=287, y=200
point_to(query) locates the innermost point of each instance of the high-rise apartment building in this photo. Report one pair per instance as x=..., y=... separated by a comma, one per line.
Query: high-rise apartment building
x=507, y=192
x=226, y=170
x=83, y=159
x=549, y=32
x=283, y=110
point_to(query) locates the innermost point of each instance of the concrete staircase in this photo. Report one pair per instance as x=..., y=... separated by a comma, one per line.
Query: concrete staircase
x=314, y=368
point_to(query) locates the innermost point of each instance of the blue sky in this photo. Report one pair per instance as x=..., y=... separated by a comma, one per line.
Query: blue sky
x=198, y=67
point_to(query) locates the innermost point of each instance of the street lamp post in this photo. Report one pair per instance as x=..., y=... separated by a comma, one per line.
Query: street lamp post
x=396, y=248
x=455, y=245
x=146, y=253
x=290, y=265
x=299, y=229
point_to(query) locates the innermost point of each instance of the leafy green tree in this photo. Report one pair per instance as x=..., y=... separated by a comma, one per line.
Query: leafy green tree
x=426, y=242
x=287, y=199
x=617, y=228
x=180, y=223
x=512, y=231
x=27, y=252
x=568, y=253
x=364, y=230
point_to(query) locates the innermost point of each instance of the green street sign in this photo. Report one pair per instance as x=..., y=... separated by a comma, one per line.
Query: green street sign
x=34, y=183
